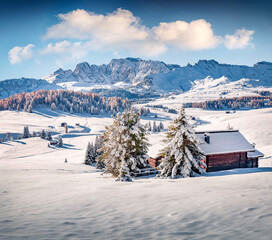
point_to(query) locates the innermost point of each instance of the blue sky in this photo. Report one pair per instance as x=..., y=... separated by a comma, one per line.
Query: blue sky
x=38, y=37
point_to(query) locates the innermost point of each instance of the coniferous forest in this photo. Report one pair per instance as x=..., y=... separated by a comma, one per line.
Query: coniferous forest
x=262, y=101
x=67, y=101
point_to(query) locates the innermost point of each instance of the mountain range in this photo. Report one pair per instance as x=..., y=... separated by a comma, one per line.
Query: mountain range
x=136, y=77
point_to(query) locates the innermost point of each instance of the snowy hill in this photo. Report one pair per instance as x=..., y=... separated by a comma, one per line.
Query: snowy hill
x=74, y=201
x=145, y=78
x=15, y=86
x=185, y=78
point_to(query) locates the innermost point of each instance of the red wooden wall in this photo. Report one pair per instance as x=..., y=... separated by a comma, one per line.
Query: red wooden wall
x=155, y=162
x=219, y=162
x=226, y=161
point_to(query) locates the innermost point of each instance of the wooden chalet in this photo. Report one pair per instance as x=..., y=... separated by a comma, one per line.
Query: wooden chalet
x=53, y=142
x=224, y=150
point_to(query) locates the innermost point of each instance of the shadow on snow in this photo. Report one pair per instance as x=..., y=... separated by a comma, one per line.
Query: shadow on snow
x=238, y=171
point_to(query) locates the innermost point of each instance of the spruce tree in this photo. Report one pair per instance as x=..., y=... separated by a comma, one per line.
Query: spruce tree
x=49, y=137
x=98, y=145
x=60, y=141
x=98, y=152
x=42, y=134
x=26, y=132
x=161, y=126
x=149, y=126
x=154, y=126
x=99, y=164
x=90, y=154
x=182, y=155
x=124, y=146
x=87, y=160
x=30, y=109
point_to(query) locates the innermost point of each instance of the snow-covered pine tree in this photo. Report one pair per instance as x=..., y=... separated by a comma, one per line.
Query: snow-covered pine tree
x=158, y=128
x=149, y=126
x=124, y=146
x=49, y=137
x=98, y=152
x=97, y=143
x=182, y=155
x=99, y=164
x=53, y=106
x=161, y=126
x=60, y=141
x=154, y=127
x=42, y=134
x=30, y=109
x=90, y=154
x=26, y=132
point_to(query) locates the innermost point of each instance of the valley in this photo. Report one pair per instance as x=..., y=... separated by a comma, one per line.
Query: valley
x=76, y=201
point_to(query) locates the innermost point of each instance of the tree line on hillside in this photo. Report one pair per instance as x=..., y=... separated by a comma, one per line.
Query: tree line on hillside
x=64, y=100
x=164, y=108
x=233, y=103
x=122, y=150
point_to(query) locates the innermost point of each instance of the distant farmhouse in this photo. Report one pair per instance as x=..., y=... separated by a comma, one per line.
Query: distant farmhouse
x=224, y=150
x=53, y=142
x=63, y=124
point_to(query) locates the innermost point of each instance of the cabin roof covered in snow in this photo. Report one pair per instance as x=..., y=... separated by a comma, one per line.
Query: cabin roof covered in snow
x=224, y=142
x=255, y=154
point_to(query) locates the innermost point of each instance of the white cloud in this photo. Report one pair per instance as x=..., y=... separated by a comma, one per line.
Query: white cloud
x=115, y=31
x=121, y=31
x=240, y=39
x=70, y=49
x=59, y=47
x=196, y=35
x=18, y=54
x=119, y=26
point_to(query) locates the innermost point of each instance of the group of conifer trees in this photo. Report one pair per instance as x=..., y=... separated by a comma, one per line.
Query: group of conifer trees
x=93, y=153
x=234, y=103
x=42, y=135
x=154, y=127
x=124, y=146
x=64, y=100
x=27, y=134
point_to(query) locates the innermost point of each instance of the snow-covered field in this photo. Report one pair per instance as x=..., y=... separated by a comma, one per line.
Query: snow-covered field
x=211, y=89
x=41, y=197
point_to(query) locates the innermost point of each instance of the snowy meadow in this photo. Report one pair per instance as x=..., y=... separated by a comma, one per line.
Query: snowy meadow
x=42, y=197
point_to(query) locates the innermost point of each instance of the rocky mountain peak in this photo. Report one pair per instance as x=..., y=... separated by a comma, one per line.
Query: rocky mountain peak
x=207, y=62
x=84, y=66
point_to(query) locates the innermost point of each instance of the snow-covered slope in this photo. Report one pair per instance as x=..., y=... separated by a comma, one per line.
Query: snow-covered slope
x=211, y=89
x=41, y=197
x=184, y=78
x=15, y=86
